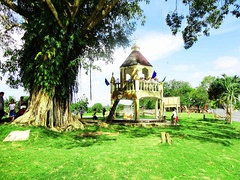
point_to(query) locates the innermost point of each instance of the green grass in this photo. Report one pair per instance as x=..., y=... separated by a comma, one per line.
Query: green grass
x=201, y=149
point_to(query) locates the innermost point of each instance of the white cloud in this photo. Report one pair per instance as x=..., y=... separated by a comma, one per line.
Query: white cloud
x=198, y=75
x=155, y=45
x=226, y=63
x=183, y=67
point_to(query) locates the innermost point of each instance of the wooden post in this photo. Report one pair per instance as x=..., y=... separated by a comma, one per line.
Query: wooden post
x=169, y=141
x=166, y=138
x=163, y=136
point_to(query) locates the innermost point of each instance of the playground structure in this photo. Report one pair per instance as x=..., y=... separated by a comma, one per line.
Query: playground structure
x=136, y=82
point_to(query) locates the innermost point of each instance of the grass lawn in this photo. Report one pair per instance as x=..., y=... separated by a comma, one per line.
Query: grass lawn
x=201, y=149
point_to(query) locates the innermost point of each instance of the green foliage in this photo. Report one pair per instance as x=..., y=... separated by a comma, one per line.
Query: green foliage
x=98, y=107
x=201, y=17
x=206, y=82
x=237, y=105
x=216, y=89
x=178, y=88
x=81, y=103
x=147, y=103
x=55, y=48
x=120, y=107
x=199, y=97
x=225, y=89
x=232, y=90
x=174, y=21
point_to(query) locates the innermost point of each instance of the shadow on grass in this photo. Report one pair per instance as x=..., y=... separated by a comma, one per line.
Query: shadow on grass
x=139, y=131
x=209, y=130
x=75, y=139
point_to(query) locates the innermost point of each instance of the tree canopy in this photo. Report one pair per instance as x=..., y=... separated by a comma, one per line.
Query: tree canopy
x=224, y=85
x=200, y=18
x=59, y=38
x=62, y=35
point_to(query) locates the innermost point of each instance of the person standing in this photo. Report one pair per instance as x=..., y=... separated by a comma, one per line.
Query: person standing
x=1, y=105
x=103, y=112
x=174, y=116
x=81, y=112
x=12, y=113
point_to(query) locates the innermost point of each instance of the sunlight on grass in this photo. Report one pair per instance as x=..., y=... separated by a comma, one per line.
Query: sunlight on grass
x=201, y=149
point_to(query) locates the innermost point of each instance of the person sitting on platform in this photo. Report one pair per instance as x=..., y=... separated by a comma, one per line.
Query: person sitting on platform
x=22, y=106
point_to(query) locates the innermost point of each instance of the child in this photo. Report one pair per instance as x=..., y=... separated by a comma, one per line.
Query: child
x=12, y=113
x=174, y=116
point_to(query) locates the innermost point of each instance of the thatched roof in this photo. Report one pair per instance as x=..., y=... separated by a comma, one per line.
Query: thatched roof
x=135, y=58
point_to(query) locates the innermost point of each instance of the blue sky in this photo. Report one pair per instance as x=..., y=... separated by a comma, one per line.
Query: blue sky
x=214, y=55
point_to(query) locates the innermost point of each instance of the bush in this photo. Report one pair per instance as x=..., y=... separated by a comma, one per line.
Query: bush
x=98, y=107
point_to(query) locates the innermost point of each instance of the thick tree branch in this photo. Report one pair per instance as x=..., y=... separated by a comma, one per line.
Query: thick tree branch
x=9, y=4
x=98, y=14
x=54, y=11
x=73, y=8
x=10, y=27
x=15, y=8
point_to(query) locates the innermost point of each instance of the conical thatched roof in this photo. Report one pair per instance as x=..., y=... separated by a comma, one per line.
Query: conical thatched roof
x=135, y=58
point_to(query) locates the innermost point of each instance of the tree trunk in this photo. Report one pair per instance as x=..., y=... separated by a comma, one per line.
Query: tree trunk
x=112, y=111
x=44, y=110
x=228, y=115
x=231, y=109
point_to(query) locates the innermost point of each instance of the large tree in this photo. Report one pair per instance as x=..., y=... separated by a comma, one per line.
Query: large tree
x=230, y=95
x=225, y=91
x=59, y=37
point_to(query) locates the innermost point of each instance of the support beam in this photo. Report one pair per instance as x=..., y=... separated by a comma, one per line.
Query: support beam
x=136, y=111
x=156, y=113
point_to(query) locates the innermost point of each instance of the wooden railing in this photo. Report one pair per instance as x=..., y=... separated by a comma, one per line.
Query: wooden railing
x=138, y=85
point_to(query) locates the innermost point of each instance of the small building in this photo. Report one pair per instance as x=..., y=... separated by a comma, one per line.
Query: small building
x=136, y=82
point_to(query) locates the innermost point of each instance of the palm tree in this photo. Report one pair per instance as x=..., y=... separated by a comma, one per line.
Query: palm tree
x=231, y=93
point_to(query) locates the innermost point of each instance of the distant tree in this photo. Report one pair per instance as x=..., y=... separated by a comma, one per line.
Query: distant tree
x=98, y=107
x=120, y=107
x=224, y=92
x=147, y=103
x=178, y=88
x=199, y=97
x=206, y=82
x=216, y=88
x=201, y=16
x=82, y=102
x=231, y=93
